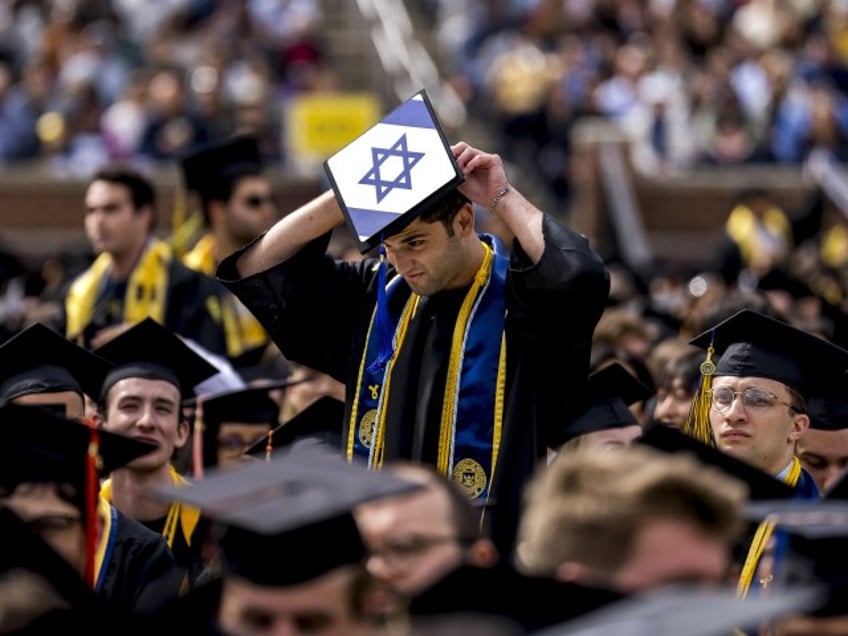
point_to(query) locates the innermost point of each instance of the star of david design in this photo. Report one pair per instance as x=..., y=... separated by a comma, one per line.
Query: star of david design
x=402, y=180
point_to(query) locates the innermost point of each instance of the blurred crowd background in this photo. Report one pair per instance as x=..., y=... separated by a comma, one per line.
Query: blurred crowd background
x=687, y=84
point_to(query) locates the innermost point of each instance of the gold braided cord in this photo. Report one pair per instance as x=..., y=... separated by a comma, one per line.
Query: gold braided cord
x=379, y=439
x=761, y=538
x=455, y=363
x=500, y=393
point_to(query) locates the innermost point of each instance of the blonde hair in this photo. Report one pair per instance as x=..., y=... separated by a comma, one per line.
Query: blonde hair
x=588, y=507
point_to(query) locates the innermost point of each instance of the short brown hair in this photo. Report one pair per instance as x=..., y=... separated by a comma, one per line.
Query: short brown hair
x=465, y=519
x=446, y=210
x=588, y=507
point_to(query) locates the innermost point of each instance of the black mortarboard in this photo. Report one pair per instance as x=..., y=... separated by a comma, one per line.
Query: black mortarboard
x=40, y=360
x=751, y=344
x=41, y=447
x=828, y=410
x=688, y=610
x=247, y=406
x=761, y=485
x=396, y=169
x=149, y=350
x=211, y=170
x=531, y=601
x=288, y=520
x=322, y=421
x=609, y=392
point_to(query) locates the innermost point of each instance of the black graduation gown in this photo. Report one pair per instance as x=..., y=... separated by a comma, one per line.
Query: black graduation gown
x=318, y=311
x=190, y=560
x=187, y=309
x=141, y=574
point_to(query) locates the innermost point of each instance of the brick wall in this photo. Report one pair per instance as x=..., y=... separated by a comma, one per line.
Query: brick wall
x=41, y=215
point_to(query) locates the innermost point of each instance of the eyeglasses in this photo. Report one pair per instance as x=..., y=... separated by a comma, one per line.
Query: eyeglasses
x=753, y=399
x=233, y=445
x=403, y=552
x=257, y=201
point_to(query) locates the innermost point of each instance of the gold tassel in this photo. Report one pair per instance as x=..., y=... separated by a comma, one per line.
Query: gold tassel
x=698, y=423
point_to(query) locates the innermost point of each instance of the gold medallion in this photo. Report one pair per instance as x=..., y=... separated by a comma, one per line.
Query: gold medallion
x=366, y=428
x=470, y=476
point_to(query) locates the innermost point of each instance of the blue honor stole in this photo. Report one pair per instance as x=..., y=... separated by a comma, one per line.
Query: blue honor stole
x=472, y=412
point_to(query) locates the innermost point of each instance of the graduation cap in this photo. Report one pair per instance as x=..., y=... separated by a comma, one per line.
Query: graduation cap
x=211, y=170
x=288, y=520
x=322, y=422
x=253, y=406
x=693, y=611
x=40, y=360
x=752, y=344
x=396, y=169
x=151, y=351
x=828, y=411
x=41, y=447
x=761, y=485
x=533, y=602
x=610, y=391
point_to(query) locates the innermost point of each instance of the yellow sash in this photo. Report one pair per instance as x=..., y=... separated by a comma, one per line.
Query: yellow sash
x=241, y=328
x=741, y=227
x=146, y=294
x=188, y=517
x=201, y=257
x=761, y=538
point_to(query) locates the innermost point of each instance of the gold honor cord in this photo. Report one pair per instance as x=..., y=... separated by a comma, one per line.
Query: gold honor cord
x=380, y=431
x=761, y=538
x=446, y=434
x=496, y=436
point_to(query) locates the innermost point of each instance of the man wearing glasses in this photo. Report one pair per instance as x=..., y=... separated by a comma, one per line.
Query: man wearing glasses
x=415, y=539
x=752, y=405
x=237, y=206
x=756, y=397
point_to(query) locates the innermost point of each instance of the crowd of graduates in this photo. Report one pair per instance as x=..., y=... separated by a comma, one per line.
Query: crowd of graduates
x=354, y=418
x=223, y=440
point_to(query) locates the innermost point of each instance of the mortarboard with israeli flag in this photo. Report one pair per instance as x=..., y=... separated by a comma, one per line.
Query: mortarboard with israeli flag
x=392, y=172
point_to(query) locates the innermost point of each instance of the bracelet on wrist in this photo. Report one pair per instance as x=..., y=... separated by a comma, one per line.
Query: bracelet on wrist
x=500, y=195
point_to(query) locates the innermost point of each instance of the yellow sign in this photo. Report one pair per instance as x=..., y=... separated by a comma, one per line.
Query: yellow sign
x=319, y=125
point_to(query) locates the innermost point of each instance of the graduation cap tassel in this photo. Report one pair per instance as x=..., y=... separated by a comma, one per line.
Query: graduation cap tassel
x=381, y=318
x=92, y=492
x=698, y=422
x=269, y=446
x=197, y=442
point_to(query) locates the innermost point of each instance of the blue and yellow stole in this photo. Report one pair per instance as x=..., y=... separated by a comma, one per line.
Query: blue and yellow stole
x=472, y=412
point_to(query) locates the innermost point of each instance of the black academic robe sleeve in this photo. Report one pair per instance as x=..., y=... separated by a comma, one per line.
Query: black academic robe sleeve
x=554, y=306
x=141, y=575
x=315, y=309
x=189, y=309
